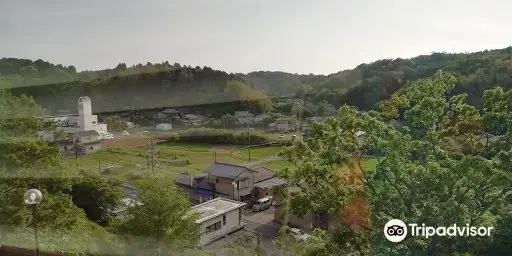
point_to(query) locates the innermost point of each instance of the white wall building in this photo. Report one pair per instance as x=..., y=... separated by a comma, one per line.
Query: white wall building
x=84, y=121
x=244, y=117
x=217, y=218
x=164, y=127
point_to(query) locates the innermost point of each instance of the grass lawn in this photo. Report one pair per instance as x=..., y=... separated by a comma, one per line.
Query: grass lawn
x=132, y=163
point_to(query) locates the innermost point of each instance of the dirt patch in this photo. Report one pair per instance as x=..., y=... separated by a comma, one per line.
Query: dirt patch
x=126, y=142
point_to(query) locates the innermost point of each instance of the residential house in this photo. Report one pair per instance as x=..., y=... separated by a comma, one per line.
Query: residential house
x=200, y=190
x=160, y=116
x=283, y=125
x=261, y=117
x=487, y=138
x=264, y=183
x=244, y=117
x=231, y=181
x=87, y=142
x=164, y=127
x=193, y=120
x=331, y=110
x=272, y=127
x=130, y=125
x=197, y=187
x=218, y=218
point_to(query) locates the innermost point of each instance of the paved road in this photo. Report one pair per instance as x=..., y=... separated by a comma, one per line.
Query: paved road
x=262, y=223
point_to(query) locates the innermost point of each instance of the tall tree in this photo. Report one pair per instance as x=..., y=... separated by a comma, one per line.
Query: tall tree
x=163, y=222
x=417, y=179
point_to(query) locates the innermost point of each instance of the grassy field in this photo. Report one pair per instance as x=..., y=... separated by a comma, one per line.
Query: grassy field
x=132, y=163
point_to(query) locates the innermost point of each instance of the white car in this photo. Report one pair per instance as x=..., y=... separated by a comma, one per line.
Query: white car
x=108, y=136
x=125, y=133
x=298, y=234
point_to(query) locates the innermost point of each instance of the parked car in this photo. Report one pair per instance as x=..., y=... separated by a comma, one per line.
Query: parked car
x=125, y=133
x=261, y=204
x=298, y=234
x=108, y=136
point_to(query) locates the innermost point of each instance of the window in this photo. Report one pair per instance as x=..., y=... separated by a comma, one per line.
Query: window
x=214, y=227
x=217, y=180
x=93, y=122
x=224, y=219
x=91, y=148
x=243, y=183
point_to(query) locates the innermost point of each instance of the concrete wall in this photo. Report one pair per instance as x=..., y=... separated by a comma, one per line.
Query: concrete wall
x=232, y=222
x=91, y=148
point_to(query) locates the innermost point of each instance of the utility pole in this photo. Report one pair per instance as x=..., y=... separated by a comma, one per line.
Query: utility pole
x=215, y=156
x=75, y=146
x=250, y=129
x=99, y=166
x=147, y=159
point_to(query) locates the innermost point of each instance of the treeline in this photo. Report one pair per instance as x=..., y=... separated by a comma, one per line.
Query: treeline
x=158, y=85
x=218, y=136
x=142, y=87
x=367, y=84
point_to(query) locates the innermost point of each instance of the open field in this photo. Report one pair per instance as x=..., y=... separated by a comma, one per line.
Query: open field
x=133, y=162
x=129, y=158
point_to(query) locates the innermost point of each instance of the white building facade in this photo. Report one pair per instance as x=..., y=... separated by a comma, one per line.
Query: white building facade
x=84, y=121
x=217, y=218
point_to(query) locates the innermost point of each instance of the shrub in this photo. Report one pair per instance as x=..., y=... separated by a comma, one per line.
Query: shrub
x=218, y=136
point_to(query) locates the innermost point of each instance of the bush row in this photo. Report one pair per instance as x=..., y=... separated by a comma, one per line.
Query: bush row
x=218, y=136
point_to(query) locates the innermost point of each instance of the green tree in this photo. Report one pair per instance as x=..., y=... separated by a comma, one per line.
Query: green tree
x=28, y=161
x=97, y=197
x=163, y=222
x=417, y=179
x=115, y=123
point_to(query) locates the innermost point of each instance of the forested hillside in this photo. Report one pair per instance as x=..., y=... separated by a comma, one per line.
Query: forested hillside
x=135, y=88
x=367, y=84
x=158, y=85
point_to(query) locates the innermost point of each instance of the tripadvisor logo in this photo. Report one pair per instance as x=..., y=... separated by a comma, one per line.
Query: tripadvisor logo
x=396, y=230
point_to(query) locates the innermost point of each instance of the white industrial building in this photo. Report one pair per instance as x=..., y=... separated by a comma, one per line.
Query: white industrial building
x=83, y=121
x=218, y=218
x=164, y=127
x=82, y=132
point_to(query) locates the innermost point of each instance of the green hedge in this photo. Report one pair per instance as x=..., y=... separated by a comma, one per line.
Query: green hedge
x=218, y=136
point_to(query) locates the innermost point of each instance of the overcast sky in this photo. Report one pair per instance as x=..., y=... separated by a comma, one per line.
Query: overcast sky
x=297, y=36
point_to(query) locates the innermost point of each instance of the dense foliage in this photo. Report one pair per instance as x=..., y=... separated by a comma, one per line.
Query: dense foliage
x=218, y=136
x=159, y=85
x=419, y=178
x=120, y=89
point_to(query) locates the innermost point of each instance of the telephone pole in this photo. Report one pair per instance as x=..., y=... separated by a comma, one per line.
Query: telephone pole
x=152, y=156
x=75, y=147
x=147, y=159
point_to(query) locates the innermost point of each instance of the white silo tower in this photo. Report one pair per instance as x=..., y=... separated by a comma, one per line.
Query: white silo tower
x=85, y=117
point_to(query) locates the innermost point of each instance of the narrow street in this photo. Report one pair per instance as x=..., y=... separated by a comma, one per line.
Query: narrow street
x=263, y=224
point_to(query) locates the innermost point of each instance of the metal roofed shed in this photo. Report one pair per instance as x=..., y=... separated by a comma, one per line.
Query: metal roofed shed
x=224, y=170
x=215, y=207
x=269, y=183
x=218, y=218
